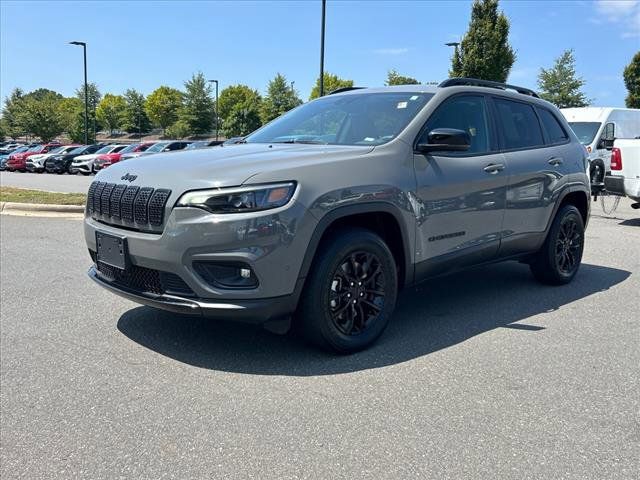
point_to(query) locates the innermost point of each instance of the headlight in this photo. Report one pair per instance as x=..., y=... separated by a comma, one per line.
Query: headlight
x=239, y=200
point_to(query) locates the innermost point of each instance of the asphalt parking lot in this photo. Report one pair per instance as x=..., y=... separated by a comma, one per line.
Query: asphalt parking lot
x=46, y=181
x=483, y=374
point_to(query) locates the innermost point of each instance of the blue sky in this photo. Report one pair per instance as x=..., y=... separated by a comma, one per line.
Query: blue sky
x=142, y=44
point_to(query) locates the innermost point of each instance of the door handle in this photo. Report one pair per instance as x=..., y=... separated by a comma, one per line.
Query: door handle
x=494, y=168
x=555, y=161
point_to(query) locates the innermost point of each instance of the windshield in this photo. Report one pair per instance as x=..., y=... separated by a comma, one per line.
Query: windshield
x=57, y=150
x=194, y=145
x=37, y=148
x=78, y=150
x=354, y=119
x=585, y=131
x=157, y=147
x=129, y=148
x=106, y=149
x=20, y=150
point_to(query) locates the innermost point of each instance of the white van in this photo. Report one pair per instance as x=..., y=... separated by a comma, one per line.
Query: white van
x=597, y=128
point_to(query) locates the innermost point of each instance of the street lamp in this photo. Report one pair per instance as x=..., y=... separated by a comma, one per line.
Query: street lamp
x=216, y=115
x=324, y=6
x=86, y=92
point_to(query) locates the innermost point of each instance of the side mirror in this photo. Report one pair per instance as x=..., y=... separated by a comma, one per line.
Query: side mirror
x=608, y=143
x=445, y=140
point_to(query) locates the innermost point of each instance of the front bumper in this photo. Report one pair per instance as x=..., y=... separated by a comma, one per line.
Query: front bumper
x=255, y=311
x=86, y=167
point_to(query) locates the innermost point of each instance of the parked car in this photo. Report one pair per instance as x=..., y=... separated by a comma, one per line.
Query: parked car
x=9, y=147
x=331, y=218
x=84, y=163
x=158, y=147
x=597, y=128
x=624, y=178
x=5, y=157
x=35, y=163
x=104, y=160
x=18, y=161
x=61, y=163
x=203, y=144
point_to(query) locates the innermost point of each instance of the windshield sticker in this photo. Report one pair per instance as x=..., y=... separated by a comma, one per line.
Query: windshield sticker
x=402, y=105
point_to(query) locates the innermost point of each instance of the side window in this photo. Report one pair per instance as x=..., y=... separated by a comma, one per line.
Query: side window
x=468, y=113
x=519, y=124
x=552, y=127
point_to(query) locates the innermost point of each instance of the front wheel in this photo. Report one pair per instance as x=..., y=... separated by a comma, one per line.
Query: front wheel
x=350, y=294
x=559, y=259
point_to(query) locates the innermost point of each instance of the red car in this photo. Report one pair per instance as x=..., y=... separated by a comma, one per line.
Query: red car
x=106, y=159
x=18, y=161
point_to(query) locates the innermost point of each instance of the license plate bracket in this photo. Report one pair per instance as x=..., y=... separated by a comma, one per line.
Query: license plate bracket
x=112, y=250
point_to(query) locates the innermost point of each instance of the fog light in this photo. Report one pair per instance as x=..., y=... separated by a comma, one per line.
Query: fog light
x=226, y=275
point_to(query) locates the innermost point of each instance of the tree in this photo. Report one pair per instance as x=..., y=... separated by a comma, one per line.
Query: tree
x=71, y=111
x=162, y=106
x=198, y=108
x=484, y=52
x=281, y=97
x=241, y=121
x=237, y=97
x=94, y=97
x=40, y=115
x=134, y=117
x=110, y=111
x=394, y=78
x=180, y=129
x=631, y=77
x=560, y=85
x=331, y=82
x=10, y=114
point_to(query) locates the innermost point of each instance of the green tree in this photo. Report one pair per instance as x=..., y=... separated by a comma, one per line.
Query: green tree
x=134, y=117
x=179, y=129
x=71, y=110
x=40, y=115
x=162, y=106
x=241, y=121
x=560, y=85
x=11, y=114
x=94, y=97
x=394, y=78
x=281, y=97
x=484, y=52
x=110, y=111
x=237, y=97
x=198, y=108
x=331, y=82
x=631, y=77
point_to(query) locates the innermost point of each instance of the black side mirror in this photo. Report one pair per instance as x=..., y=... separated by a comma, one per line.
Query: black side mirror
x=445, y=140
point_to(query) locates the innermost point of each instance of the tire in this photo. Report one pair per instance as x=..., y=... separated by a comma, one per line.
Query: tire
x=597, y=172
x=559, y=259
x=335, y=297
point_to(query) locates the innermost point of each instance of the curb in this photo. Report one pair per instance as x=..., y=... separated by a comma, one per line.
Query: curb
x=6, y=207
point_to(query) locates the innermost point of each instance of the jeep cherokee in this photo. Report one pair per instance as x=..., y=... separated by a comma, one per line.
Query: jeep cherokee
x=329, y=210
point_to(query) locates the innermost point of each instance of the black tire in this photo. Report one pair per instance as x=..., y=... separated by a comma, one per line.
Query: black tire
x=352, y=265
x=597, y=172
x=559, y=259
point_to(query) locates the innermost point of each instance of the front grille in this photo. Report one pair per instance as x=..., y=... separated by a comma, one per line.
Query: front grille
x=139, y=208
x=145, y=280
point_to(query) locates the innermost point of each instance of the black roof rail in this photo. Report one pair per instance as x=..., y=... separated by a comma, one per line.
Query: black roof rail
x=344, y=89
x=476, y=82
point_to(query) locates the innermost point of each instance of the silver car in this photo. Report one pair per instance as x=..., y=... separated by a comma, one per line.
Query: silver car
x=328, y=211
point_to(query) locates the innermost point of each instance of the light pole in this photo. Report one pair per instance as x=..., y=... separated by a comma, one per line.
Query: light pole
x=324, y=6
x=86, y=92
x=216, y=115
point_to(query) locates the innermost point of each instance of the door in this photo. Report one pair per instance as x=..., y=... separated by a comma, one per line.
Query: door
x=460, y=195
x=537, y=161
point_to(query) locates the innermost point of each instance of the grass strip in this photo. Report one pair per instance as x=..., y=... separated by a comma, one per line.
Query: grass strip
x=22, y=195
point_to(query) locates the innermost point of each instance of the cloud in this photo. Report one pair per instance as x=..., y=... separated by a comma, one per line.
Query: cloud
x=391, y=51
x=625, y=13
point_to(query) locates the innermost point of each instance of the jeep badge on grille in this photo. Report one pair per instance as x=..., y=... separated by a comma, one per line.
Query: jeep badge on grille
x=128, y=177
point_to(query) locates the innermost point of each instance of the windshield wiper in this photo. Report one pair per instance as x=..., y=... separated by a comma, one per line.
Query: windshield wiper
x=308, y=142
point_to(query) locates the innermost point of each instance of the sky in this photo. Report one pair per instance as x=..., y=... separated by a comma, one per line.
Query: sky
x=145, y=44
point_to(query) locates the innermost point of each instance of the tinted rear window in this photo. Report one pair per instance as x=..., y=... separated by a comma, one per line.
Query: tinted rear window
x=520, y=126
x=551, y=125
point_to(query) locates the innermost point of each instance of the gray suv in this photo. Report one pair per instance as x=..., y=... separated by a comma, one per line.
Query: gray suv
x=329, y=210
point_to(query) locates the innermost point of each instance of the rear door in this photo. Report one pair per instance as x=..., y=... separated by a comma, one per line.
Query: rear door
x=461, y=195
x=537, y=159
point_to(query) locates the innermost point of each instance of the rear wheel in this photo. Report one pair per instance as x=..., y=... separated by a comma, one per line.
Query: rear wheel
x=351, y=292
x=559, y=259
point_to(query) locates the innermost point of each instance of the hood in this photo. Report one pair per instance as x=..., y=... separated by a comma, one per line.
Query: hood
x=85, y=157
x=222, y=166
